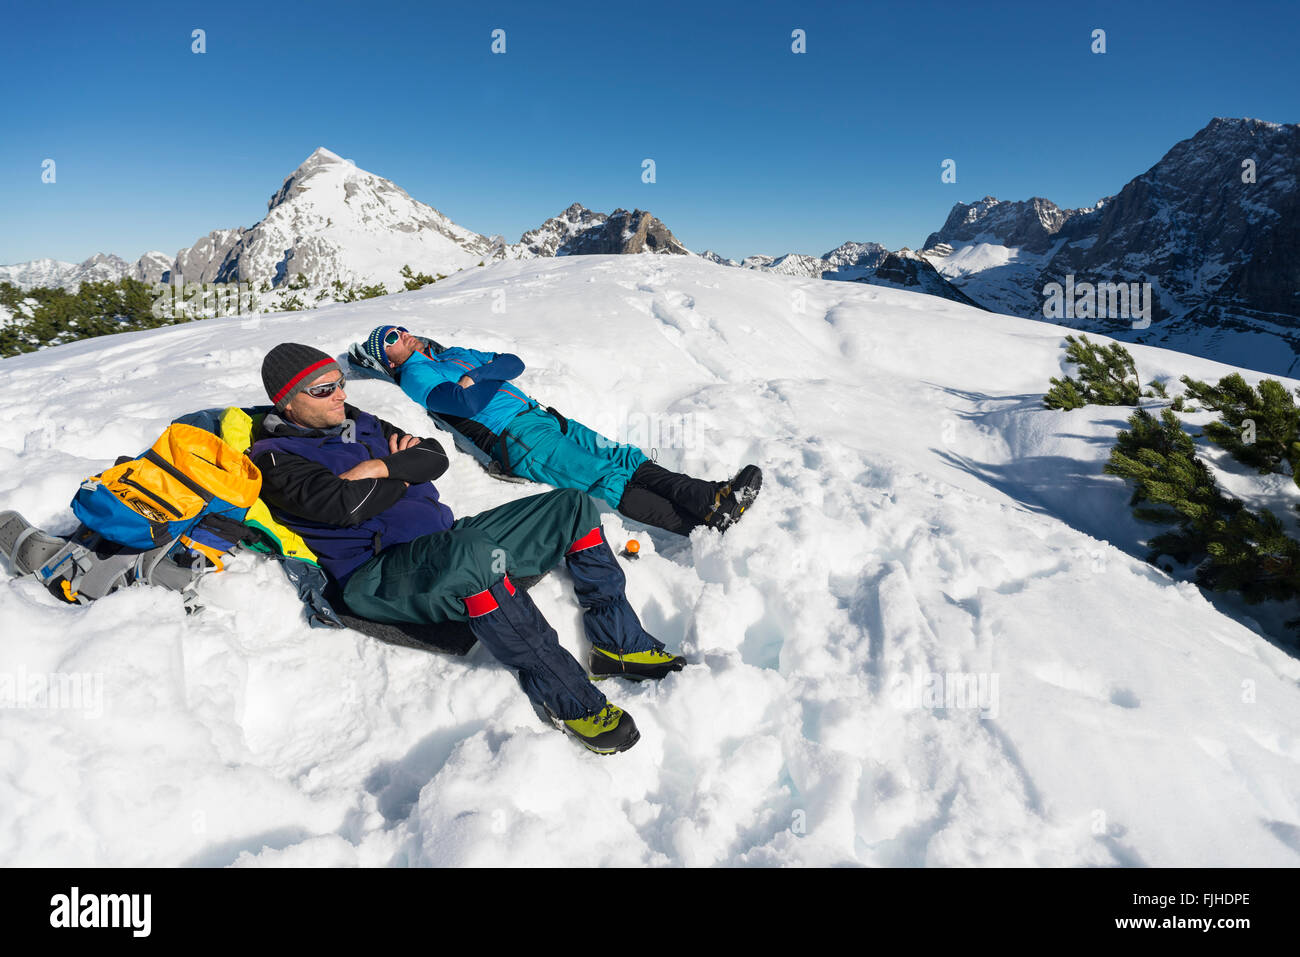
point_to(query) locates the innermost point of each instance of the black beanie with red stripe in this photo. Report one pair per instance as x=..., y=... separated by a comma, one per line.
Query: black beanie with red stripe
x=290, y=367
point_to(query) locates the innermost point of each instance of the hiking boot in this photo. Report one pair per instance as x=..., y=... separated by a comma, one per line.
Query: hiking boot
x=636, y=665
x=734, y=497
x=607, y=731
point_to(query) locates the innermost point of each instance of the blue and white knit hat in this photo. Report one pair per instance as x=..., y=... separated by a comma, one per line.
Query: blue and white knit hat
x=374, y=346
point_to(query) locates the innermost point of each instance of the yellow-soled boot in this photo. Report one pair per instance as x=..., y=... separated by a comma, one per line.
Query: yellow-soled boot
x=636, y=665
x=607, y=731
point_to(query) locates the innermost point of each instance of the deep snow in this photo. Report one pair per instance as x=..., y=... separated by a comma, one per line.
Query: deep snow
x=925, y=525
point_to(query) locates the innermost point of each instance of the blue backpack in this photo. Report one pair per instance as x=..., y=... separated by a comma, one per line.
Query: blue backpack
x=191, y=487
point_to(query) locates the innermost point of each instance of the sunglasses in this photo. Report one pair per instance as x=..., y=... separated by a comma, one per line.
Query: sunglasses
x=325, y=389
x=394, y=336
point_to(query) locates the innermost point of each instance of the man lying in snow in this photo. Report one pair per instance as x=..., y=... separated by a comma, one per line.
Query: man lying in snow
x=360, y=493
x=471, y=391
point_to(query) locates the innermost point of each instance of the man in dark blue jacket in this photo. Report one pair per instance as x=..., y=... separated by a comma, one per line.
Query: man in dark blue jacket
x=360, y=493
x=471, y=391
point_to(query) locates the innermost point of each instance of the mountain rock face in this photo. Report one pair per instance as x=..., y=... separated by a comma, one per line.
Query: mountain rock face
x=204, y=261
x=153, y=267
x=1029, y=225
x=624, y=232
x=1211, y=233
x=580, y=232
x=554, y=234
x=1213, y=245
x=856, y=254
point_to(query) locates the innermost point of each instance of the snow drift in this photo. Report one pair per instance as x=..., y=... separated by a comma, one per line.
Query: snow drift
x=930, y=642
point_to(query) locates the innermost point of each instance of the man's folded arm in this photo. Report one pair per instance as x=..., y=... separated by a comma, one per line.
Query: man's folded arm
x=449, y=398
x=422, y=462
x=503, y=366
x=310, y=490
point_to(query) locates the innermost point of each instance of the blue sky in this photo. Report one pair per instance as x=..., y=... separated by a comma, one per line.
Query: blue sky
x=757, y=149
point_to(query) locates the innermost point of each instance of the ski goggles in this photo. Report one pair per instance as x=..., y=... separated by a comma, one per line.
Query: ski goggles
x=325, y=389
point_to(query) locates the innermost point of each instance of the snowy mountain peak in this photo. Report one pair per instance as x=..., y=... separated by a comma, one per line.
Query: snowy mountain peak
x=322, y=155
x=791, y=264
x=333, y=221
x=107, y=260
x=1241, y=123
x=319, y=159
x=321, y=162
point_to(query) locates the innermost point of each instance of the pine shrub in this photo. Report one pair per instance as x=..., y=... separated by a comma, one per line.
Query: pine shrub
x=1107, y=376
x=1233, y=548
x=1259, y=427
x=415, y=280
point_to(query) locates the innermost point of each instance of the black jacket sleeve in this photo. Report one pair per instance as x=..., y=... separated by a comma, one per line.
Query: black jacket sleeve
x=422, y=462
x=309, y=490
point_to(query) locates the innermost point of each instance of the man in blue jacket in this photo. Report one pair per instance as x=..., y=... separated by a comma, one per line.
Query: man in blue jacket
x=360, y=493
x=472, y=392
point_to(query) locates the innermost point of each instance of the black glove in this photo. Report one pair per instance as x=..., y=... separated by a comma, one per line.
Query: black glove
x=420, y=463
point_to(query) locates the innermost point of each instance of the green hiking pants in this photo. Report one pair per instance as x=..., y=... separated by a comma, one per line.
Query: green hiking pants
x=428, y=579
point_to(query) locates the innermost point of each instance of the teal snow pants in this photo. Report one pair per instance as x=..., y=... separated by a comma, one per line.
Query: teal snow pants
x=572, y=457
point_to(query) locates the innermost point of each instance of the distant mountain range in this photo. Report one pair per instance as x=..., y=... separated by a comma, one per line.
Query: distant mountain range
x=331, y=220
x=869, y=263
x=1213, y=229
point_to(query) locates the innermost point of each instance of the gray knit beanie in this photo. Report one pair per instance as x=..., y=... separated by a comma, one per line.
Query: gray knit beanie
x=290, y=367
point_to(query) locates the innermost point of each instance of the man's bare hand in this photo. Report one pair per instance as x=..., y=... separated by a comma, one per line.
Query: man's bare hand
x=371, y=468
x=465, y=382
x=406, y=441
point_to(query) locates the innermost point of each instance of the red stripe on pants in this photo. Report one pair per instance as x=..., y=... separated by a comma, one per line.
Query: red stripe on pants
x=590, y=540
x=483, y=603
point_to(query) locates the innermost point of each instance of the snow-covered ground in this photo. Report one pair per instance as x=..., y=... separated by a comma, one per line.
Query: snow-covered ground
x=931, y=642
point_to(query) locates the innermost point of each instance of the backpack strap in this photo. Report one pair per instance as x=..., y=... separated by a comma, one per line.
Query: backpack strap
x=179, y=476
x=159, y=567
